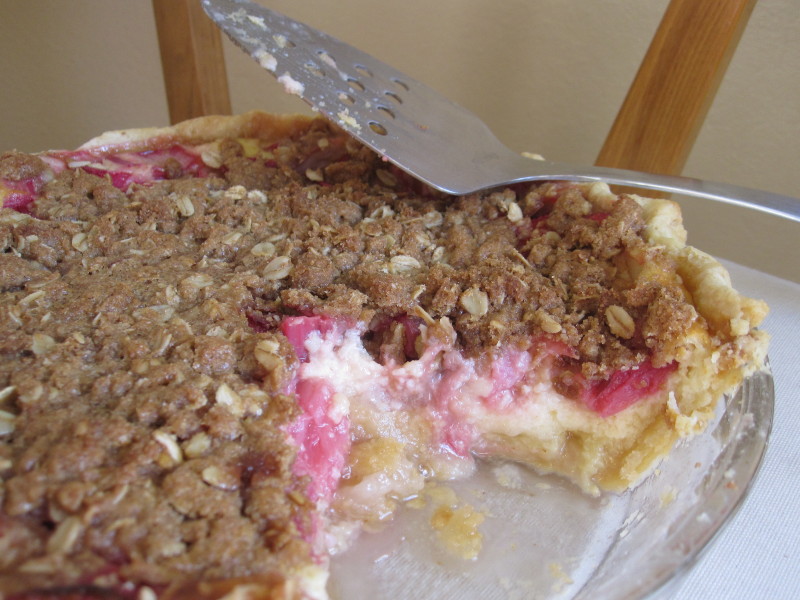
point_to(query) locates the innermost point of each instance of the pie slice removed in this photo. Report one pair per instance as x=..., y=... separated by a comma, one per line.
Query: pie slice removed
x=227, y=345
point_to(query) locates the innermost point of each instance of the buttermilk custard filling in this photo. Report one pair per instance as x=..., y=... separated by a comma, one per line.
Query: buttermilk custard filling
x=229, y=344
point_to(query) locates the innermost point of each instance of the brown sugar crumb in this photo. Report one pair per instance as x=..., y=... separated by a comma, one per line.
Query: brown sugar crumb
x=455, y=523
x=18, y=166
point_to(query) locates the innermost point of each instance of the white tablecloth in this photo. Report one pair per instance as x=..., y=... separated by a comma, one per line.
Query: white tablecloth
x=758, y=554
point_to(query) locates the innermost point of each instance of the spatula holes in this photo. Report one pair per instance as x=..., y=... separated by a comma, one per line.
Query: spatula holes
x=355, y=84
x=314, y=69
x=378, y=128
x=325, y=57
x=362, y=70
x=400, y=84
x=393, y=97
x=347, y=98
x=386, y=111
x=283, y=41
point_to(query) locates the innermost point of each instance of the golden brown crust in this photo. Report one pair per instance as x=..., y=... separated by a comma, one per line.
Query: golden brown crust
x=254, y=124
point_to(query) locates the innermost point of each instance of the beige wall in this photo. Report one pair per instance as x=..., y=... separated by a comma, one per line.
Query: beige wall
x=547, y=75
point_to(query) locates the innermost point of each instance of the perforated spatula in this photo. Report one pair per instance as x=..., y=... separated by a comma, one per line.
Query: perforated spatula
x=415, y=127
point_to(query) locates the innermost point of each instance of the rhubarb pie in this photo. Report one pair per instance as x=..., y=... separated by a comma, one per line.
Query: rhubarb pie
x=228, y=345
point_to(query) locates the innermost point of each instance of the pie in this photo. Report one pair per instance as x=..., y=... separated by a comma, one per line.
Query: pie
x=227, y=345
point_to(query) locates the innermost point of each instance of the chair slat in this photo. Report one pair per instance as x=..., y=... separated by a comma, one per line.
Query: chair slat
x=192, y=59
x=669, y=98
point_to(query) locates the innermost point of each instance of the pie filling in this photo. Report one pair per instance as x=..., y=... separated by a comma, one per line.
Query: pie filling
x=427, y=417
x=221, y=358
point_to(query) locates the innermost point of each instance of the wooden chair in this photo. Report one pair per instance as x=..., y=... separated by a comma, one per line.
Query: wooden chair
x=191, y=58
x=655, y=128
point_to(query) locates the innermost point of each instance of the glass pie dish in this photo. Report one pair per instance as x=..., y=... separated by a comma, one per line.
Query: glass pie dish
x=541, y=537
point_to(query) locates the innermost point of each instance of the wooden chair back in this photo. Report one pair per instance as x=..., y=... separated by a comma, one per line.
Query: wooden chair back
x=192, y=60
x=677, y=80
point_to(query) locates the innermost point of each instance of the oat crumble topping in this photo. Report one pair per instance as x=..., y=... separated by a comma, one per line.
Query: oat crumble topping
x=140, y=360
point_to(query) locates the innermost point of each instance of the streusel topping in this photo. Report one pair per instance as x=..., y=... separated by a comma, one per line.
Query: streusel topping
x=131, y=323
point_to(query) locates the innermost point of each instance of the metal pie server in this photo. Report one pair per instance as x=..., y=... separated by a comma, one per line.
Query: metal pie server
x=416, y=128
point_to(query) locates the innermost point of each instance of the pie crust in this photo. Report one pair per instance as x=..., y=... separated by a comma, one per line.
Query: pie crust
x=230, y=343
